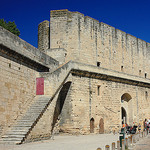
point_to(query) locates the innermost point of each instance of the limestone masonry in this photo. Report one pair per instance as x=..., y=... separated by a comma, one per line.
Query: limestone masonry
x=85, y=77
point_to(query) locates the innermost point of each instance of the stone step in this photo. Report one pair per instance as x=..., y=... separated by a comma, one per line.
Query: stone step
x=33, y=112
x=41, y=102
x=35, y=108
x=10, y=142
x=21, y=128
x=31, y=117
x=25, y=124
x=13, y=136
x=17, y=133
x=22, y=125
x=24, y=121
x=12, y=139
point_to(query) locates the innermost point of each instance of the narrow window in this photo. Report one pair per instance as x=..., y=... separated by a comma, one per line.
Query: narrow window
x=98, y=64
x=139, y=72
x=9, y=65
x=146, y=94
x=145, y=75
x=98, y=90
x=121, y=68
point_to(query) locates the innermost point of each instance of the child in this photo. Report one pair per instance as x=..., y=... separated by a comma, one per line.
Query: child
x=139, y=127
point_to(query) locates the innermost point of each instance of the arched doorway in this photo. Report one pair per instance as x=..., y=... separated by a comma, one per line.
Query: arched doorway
x=126, y=109
x=123, y=115
x=101, y=126
x=92, y=125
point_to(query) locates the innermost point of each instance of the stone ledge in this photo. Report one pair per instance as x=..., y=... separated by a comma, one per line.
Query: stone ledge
x=16, y=44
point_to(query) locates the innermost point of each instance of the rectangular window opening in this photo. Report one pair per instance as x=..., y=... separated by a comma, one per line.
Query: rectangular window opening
x=98, y=90
x=146, y=94
x=145, y=75
x=140, y=72
x=121, y=68
x=98, y=64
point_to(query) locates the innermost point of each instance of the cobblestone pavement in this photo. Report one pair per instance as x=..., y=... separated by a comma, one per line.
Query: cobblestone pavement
x=143, y=144
x=81, y=142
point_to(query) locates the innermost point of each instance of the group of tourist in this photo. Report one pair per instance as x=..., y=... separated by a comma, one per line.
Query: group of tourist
x=133, y=129
x=147, y=125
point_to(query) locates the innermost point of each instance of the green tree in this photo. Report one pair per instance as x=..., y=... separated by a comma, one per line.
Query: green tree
x=10, y=26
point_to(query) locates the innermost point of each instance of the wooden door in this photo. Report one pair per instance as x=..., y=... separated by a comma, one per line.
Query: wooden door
x=101, y=126
x=92, y=125
x=39, y=86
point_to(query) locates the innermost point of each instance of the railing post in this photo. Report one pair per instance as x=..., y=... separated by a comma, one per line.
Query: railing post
x=113, y=146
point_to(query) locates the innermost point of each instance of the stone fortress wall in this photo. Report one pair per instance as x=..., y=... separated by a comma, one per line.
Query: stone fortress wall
x=94, y=76
x=20, y=64
x=92, y=42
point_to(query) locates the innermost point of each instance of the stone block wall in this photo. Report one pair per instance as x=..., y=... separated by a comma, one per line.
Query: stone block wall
x=87, y=102
x=43, y=35
x=17, y=91
x=89, y=97
x=20, y=64
x=25, y=50
x=58, y=54
x=92, y=42
x=43, y=128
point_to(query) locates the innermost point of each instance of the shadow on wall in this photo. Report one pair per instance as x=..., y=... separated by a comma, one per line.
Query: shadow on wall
x=60, y=102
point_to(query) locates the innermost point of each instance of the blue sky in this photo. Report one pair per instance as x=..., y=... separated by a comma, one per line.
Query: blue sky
x=131, y=16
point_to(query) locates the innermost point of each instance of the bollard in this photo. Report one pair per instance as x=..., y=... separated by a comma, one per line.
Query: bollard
x=118, y=145
x=138, y=137
x=126, y=143
x=123, y=144
x=130, y=141
x=107, y=147
x=113, y=146
x=134, y=138
x=99, y=149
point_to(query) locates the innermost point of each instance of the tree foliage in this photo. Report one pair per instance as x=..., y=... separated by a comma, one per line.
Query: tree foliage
x=10, y=26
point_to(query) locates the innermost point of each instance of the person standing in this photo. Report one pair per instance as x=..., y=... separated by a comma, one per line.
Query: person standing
x=139, y=127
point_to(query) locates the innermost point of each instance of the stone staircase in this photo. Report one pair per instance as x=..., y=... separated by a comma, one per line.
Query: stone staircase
x=23, y=126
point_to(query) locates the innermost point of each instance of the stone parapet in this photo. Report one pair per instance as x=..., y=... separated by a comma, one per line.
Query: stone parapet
x=17, y=45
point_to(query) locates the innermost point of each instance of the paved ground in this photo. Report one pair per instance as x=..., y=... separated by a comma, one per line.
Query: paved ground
x=81, y=142
x=143, y=144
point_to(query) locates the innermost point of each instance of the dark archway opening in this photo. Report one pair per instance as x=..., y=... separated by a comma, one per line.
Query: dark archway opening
x=126, y=97
x=123, y=115
x=60, y=102
x=92, y=125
